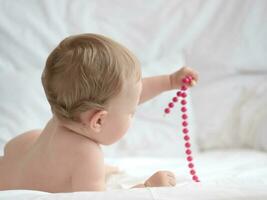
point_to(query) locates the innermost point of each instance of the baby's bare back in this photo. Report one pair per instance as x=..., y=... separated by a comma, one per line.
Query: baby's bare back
x=39, y=161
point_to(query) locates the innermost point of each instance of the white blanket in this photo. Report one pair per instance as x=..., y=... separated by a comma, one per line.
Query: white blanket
x=224, y=174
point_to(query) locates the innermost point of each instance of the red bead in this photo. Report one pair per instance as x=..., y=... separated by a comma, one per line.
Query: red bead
x=184, y=95
x=171, y=105
x=183, y=109
x=193, y=172
x=195, y=178
x=187, y=144
x=188, y=152
x=190, y=165
x=186, y=80
x=189, y=158
x=174, y=99
x=167, y=110
x=185, y=130
x=186, y=138
x=184, y=123
x=178, y=94
x=183, y=87
x=183, y=102
x=184, y=116
x=190, y=78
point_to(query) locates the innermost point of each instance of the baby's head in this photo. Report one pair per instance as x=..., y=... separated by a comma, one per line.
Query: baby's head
x=94, y=81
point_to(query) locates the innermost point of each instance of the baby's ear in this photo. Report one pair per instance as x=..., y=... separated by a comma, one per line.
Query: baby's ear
x=97, y=120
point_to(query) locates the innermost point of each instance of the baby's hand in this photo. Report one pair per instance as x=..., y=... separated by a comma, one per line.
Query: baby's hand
x=177, y=77
x=161, y=179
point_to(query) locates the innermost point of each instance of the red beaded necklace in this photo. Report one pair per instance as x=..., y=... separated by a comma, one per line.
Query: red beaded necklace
x=182, y=93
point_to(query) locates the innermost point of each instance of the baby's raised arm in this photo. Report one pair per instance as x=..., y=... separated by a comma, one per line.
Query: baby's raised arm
x=153, y=86
x=89, y=169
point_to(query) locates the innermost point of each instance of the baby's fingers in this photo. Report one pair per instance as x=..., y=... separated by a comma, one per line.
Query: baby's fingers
x=172, y=181
x=190, y=80
x=193, y=83
x=170, y=174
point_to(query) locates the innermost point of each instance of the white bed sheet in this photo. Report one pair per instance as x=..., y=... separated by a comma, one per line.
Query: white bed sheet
x=224, y=174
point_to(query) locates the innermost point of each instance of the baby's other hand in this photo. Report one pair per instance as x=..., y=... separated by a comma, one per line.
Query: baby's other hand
x=176, y=78
x=161, y=179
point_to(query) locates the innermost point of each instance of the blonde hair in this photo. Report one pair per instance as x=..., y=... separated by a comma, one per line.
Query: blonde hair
x=86, y=71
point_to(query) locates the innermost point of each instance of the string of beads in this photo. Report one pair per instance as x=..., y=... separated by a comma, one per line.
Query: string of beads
x=183, y=95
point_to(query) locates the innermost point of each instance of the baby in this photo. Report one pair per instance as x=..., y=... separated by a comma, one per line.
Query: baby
x=93, y=85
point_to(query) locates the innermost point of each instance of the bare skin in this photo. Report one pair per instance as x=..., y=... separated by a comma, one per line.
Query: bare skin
x=66, y=156
x=19, y=155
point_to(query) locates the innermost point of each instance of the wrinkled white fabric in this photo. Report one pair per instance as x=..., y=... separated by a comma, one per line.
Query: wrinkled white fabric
x=224, y=174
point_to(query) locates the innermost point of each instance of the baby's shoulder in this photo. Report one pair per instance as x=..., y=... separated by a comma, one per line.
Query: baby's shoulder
x=88, y=172
x=87, y=149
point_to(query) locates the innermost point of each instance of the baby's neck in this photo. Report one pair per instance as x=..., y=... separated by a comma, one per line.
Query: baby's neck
x=72, y=127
